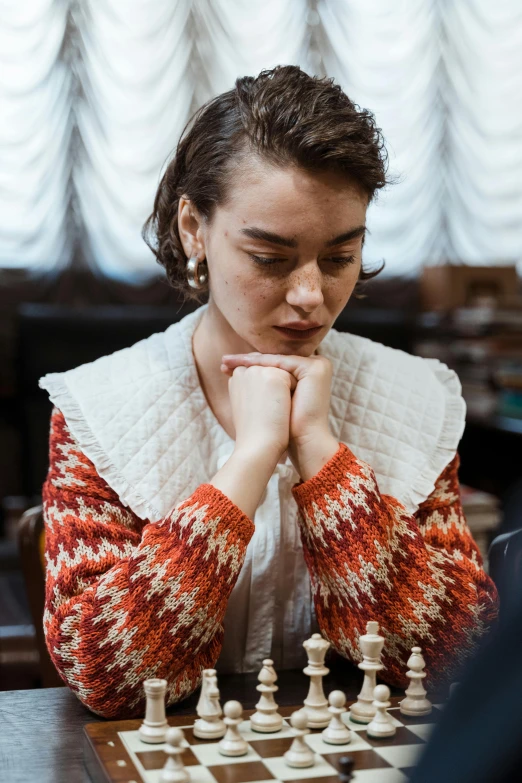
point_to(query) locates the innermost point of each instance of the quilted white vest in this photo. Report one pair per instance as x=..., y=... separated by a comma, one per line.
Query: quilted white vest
x=141, y=417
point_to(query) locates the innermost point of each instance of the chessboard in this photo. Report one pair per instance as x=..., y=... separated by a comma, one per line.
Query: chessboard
x=114, y=753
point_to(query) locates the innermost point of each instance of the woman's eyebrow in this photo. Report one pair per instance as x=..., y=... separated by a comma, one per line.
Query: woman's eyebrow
x=276, y=239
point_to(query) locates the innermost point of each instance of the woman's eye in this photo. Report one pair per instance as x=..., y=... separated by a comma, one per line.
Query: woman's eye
x=340, y=260
x=260, y=260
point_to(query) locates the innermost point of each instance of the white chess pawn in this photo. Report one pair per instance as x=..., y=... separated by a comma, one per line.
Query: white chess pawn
x=233, y=744
x=370, y=644
x=415, y=702
x=209, y=724
x=382, y=724
x=174, y=771
x=315, y=704
x=266, y=718
x=299, y=754
x=336, y=733
x=153, y=728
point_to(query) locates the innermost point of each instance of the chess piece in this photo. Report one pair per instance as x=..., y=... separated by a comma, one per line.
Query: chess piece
x=370, y=644
x=266, y=718
x=382, y=724
x=336, y=733
x=209, y=724
x=315, y=704
x=153, y=728
x=214, y=696
x=299, y=754
x=233, y=744
x=415, y=702
x=346, y=765
x=174, y=771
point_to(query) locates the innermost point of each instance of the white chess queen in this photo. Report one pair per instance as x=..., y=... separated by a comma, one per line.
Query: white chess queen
x=199, y=460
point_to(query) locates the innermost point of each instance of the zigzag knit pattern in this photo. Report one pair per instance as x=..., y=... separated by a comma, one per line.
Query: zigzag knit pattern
x=128, y=599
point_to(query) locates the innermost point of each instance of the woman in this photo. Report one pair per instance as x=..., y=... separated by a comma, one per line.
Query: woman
x=204, y=505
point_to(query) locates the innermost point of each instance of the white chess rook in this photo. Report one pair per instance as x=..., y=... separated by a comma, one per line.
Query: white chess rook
x=336, y=733
x=382, y=724
x=209, y=724
x=155, y=725
x=233, y=744
x=415, y=702
x=266, y=718
x=315, y=704
x=370, y=644
x=299, y=754
x=174, y=771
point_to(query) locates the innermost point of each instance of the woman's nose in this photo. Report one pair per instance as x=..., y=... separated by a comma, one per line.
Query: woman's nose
x=305, y=288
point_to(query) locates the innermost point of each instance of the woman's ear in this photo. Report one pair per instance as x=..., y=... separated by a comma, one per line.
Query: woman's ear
x=190, y=227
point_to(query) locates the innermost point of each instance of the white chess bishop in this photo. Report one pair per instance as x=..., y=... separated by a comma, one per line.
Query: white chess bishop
x=415, y=701
x=266, y=718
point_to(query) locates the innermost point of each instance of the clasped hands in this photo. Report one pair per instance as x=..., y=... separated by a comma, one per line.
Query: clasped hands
x=311, y=443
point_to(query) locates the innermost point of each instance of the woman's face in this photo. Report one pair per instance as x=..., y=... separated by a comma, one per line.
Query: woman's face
x=286, y=247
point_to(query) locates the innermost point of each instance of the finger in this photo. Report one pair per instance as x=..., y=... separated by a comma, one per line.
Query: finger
x=241, y=368
x=296, y=365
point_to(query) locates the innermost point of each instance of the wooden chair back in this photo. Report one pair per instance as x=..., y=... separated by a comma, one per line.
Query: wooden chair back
x=31, y=542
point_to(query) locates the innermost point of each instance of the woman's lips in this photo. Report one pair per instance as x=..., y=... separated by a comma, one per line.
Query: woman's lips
x=299, y=334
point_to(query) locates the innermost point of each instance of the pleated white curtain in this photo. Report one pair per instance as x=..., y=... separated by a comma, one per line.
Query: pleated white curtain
x=35, y=136
x=95, y=93
x=387, y=58
x=482, y=56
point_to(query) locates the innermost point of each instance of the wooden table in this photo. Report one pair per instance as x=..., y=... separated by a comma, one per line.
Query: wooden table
x=41, y=737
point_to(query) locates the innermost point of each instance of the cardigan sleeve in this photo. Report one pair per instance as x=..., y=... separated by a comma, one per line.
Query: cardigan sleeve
x=419, y=576
x=128, y=599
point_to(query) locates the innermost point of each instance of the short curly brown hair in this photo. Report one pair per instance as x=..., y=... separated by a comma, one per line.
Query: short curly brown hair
x=285, y=116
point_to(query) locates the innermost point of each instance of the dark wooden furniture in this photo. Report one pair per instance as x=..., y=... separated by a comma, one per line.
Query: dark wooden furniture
x=30, y=541
x=41, y=731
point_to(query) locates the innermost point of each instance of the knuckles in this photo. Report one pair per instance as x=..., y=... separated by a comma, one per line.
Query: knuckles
x=259, y=373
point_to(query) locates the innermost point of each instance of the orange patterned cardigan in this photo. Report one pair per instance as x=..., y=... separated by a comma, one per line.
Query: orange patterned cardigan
x=128, y=599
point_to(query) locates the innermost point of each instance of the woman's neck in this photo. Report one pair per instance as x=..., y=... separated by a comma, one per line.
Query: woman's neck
x=212, y=338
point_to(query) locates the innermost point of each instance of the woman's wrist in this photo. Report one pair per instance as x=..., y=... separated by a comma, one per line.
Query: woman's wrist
x=245, y=476
x=264, y=458
x=311, y=454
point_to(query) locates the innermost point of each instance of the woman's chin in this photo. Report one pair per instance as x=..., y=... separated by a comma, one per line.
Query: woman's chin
x=290, y=348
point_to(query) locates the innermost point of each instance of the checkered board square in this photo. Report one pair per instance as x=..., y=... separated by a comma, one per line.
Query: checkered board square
x=115, y=753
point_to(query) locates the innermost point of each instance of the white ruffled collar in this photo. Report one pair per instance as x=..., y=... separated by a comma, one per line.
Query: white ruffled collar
x=140, y=415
